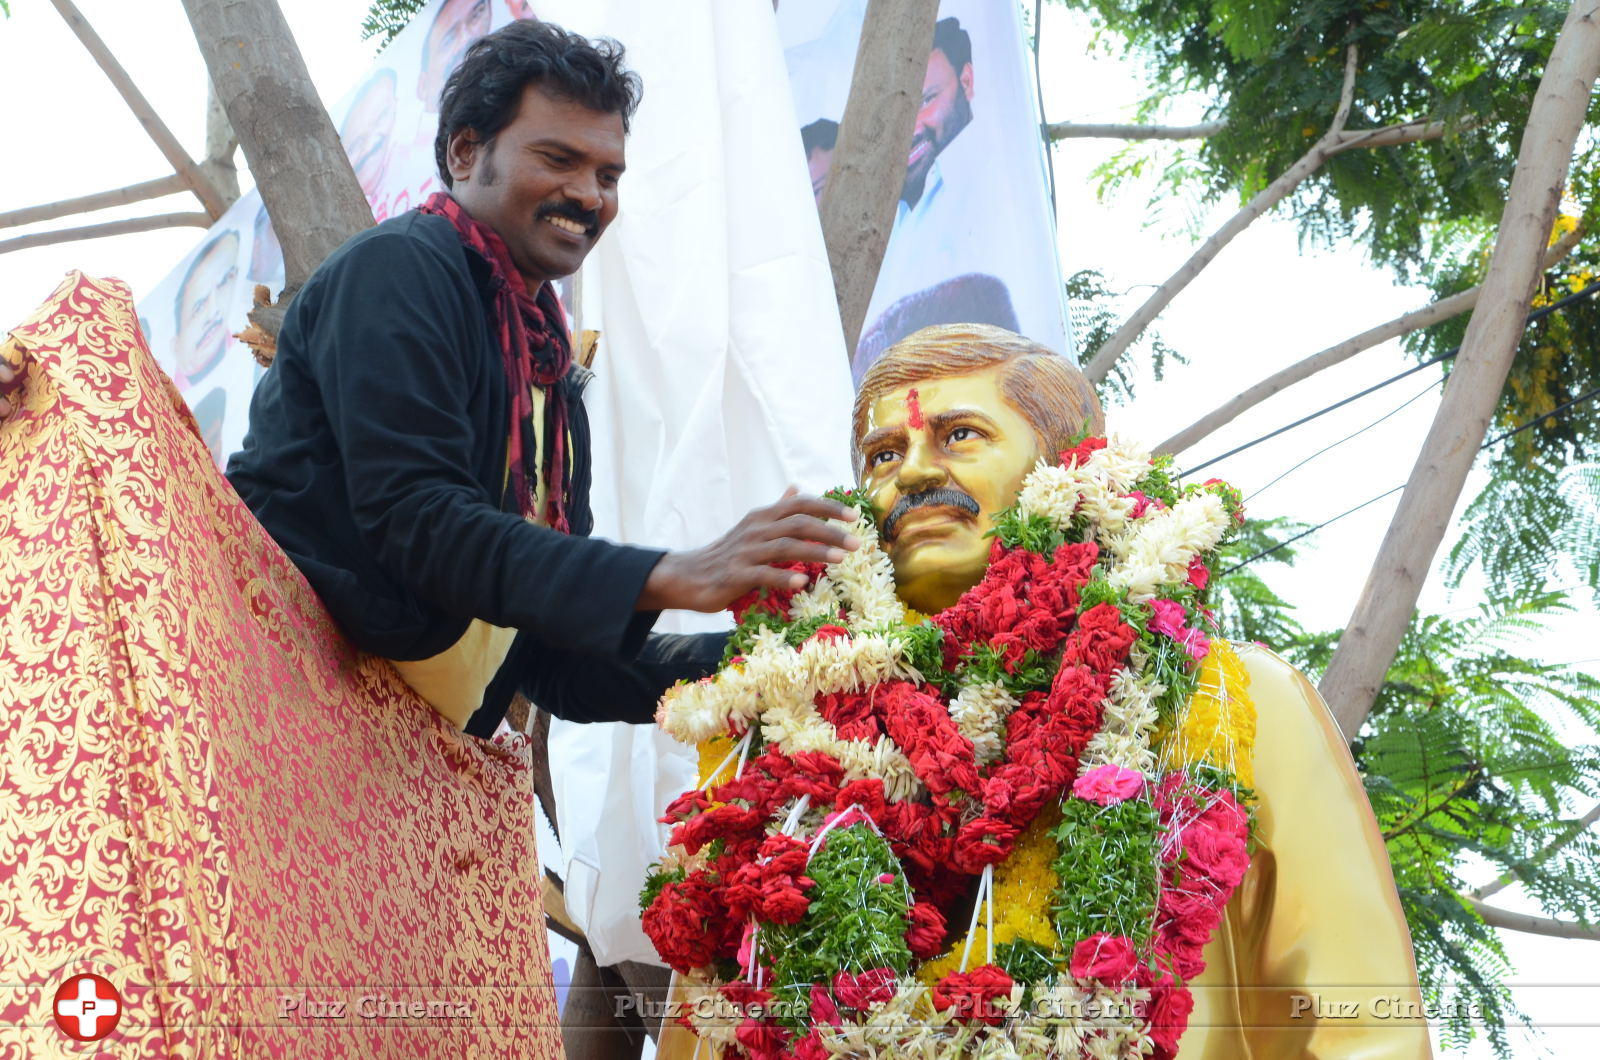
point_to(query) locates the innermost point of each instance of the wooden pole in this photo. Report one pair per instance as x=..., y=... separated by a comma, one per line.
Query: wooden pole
x=173, y=151
x=109, y=228
x=1367, y=646
x=301, y=169
x=869, y=164
x=1074, y=130
x=100, y=200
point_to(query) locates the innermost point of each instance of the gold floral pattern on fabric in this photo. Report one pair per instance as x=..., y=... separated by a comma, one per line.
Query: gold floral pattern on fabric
x=261, y=836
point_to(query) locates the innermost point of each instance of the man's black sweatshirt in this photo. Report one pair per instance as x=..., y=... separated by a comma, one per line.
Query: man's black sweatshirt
x=376, y=458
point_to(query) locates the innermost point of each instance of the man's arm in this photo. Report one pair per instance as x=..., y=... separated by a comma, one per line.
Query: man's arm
x=400, y=406
x=387, y=348
x=582, y=688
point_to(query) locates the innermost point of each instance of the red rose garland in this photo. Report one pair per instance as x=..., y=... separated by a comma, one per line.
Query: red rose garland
x=743, y=878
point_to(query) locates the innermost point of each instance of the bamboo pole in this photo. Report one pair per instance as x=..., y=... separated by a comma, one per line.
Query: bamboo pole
x=100, y=200
x=1072, y=130
x=168, y=144
x=108, y=228
x=1384, y=610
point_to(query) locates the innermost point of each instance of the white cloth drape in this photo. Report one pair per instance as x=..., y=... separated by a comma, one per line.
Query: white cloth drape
x=722, y=375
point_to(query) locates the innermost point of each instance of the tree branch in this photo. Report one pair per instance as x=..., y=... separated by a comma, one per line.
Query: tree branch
x=1572, y=832
x=1114, y=347
x=1347, y=93
x=100, y=200
x=1108, y=354
x=170, y=148
x=1428, y=315
x=1390, y=135
x=109, y=228
x=1068, y=130
x=1428, y=811
x=1494, y=916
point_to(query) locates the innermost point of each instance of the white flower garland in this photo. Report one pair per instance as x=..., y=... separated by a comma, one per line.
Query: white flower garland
x=979, y=711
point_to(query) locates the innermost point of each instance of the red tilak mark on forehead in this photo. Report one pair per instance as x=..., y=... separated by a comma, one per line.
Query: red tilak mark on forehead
x=913, y=410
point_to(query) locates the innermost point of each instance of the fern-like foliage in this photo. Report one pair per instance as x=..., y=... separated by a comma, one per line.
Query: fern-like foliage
x=1096, y=309
x=385, y=18
x=1468, y=758
x=1533, y=531
x=1246, y=608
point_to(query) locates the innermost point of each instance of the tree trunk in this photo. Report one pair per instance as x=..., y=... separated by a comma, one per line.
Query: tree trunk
x=1381, y=616
x=221, y=146
x=869, y=163
x=300, y=167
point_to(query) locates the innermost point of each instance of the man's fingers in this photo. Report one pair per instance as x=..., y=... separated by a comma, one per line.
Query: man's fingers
x=6, y=408
x=806, y=504
x=796, y=550
x=776, y=578
x=7, y=376
x=810, y=528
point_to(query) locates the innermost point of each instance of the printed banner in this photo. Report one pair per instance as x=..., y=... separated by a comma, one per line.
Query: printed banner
x=387, y=123
x=974, y=238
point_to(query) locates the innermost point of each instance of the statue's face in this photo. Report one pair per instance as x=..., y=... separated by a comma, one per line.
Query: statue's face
x=941, y=458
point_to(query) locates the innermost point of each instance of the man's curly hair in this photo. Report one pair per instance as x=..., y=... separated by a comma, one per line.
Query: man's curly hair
x=484, y=92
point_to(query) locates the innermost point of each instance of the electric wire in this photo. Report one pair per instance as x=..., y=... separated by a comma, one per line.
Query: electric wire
x=1580, y=399
x=1411, y=400
x=1533, y=317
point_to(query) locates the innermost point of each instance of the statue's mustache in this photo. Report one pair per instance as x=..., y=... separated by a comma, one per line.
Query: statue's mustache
x=940, y=497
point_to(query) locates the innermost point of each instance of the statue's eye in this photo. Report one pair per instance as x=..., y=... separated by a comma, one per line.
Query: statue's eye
x=882, y=456
x=962, y=434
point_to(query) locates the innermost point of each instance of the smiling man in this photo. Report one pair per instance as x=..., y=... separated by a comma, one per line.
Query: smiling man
x=419, y=446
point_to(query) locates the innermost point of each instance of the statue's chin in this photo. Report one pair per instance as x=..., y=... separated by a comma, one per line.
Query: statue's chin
x=930, y=587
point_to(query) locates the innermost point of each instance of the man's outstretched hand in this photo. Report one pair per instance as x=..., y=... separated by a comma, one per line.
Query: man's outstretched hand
x=711, y=578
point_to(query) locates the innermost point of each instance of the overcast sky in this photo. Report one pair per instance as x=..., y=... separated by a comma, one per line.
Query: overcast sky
x=1264, y=303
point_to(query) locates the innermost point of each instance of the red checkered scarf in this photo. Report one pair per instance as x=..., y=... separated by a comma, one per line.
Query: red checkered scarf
x=534, y=349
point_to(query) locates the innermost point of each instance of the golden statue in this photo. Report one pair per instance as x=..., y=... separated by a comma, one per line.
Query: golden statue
x=1313, y=957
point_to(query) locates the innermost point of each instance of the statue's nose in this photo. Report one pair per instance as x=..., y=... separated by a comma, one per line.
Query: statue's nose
x=921, y=469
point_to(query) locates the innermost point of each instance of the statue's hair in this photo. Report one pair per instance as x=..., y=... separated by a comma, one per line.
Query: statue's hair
x=1045, y=387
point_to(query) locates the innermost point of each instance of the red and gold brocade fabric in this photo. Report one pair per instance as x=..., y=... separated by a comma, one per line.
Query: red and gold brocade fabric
x=262, y=837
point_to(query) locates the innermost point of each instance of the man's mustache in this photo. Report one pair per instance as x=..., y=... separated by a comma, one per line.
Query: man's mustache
x=940, y=497
x=590, y=219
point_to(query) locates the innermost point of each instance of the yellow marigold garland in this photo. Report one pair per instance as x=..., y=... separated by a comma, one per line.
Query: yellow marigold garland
x=1217, y=727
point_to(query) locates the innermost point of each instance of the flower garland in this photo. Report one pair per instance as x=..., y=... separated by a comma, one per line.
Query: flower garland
x=1061, y=759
